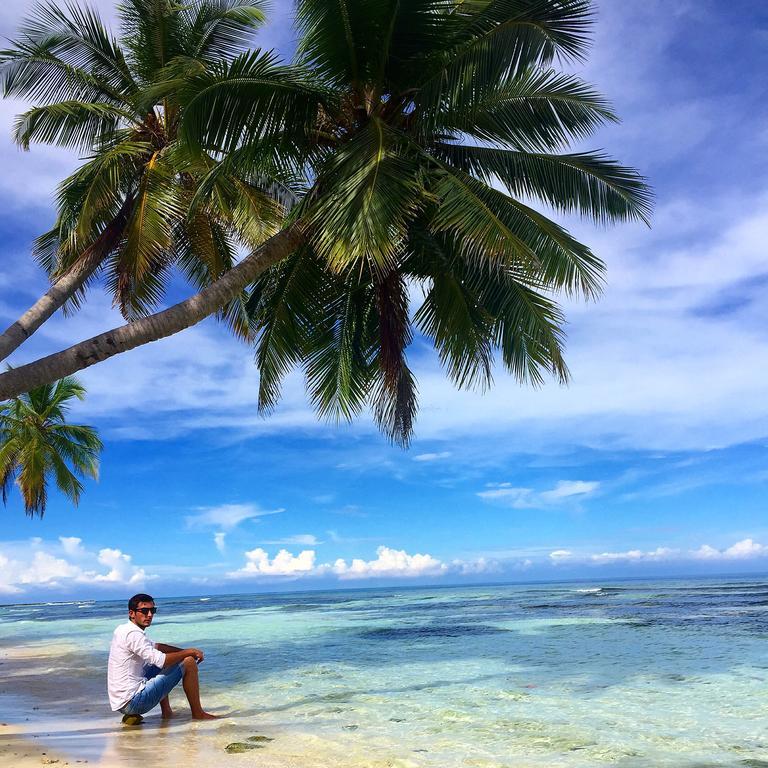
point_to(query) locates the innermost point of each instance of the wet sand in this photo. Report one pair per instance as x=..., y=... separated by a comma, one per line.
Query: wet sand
x=53, y=711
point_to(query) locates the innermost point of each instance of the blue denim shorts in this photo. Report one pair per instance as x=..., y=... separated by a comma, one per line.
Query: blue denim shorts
x=159, y=685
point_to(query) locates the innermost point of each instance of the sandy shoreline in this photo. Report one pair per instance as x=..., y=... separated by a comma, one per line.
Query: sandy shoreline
x=105, y=742
x=53, y=711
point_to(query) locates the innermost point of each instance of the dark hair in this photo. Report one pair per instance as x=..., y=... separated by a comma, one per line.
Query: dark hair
x=133, y=603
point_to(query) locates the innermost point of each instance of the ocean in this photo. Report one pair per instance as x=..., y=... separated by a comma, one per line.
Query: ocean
x=634, y=673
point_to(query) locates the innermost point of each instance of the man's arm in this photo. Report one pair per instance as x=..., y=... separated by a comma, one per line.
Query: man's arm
x=163, y=648
x=176, y=656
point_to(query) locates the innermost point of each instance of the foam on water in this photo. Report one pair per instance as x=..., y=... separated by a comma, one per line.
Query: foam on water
x=658, y=674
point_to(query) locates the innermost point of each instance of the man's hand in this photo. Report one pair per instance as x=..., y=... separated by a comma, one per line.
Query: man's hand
x=197, y=654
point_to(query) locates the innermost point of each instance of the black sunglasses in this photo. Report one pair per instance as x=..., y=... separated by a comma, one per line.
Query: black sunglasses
x=147, y=611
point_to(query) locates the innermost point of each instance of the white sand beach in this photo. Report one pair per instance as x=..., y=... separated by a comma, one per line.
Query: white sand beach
x=54, y=712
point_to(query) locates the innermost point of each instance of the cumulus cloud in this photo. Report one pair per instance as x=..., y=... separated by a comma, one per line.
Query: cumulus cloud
x=6, y=585
x=122, y=570
x=636, y=555
x=72, y=546
x=389, y=563
x=746, y=549
x=527, y=498
x=284, y=563
x=227, y=516
x=741, y=550
x=37, y=564
x=47, y=570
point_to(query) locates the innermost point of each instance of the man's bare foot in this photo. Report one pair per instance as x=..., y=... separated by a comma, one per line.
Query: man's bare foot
x=204, y=716
x=167, y=714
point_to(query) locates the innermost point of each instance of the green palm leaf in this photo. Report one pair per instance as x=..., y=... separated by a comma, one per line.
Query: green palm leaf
x=374, y=189
x=72, y=124
x=588, y=183
x=219, y=29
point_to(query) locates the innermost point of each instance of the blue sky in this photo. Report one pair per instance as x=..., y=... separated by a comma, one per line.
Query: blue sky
x=652, y=462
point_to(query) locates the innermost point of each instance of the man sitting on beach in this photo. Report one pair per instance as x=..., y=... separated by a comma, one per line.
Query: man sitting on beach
x=141, y=673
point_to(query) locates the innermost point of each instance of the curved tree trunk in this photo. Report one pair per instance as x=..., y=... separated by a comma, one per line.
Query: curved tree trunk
x=65, y=287
x=158, y=326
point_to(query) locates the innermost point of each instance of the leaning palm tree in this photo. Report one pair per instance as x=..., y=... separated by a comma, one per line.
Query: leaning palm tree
x=37, y=444
x=419, y=137
x=124, y=212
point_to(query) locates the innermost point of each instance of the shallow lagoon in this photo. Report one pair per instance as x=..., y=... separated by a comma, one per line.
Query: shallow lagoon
x=667, y=673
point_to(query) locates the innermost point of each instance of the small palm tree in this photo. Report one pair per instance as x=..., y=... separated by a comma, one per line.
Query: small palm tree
x=36, y=444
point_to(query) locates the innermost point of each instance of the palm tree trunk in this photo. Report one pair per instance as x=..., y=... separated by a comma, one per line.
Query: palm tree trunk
x=65, y=287
x=158, y=326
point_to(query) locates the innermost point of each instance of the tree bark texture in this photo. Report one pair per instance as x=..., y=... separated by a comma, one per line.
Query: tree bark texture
x=177, y=318
x=64, y=288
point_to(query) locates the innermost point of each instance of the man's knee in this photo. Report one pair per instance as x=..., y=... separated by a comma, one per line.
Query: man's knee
x=189, y=663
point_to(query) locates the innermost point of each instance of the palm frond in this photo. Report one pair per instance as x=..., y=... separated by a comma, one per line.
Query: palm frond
x=588, y=183
x=372, y=189
x=220, y=29
x=247, y=100
x=538, y=110
x=73, y=124
x=65, y=53
x=394, y=391
x=285, y=307
x=339, y=37
x=153, y=33
x=453, y=316
x=144, y=256
x=528, y=325
x=492, y=227
x=340, y=366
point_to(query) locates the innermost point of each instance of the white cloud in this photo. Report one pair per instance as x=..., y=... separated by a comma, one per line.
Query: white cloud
x=389, y=563
x=432, y=456
x=283, y=564
x=302, y=539
x=705, y=552
x=122, y=571
x=471, y=567
x=218, y=540
x=745, y=549
x=636, y=555
x=47, y=570
x=72, y=546
x=518, y=498
x=566, y=489
x=6, y=585
x=36, y=564
x=227, y=516
x=527, y=498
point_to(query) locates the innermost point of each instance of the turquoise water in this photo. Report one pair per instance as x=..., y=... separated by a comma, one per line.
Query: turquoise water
x=667, y=673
